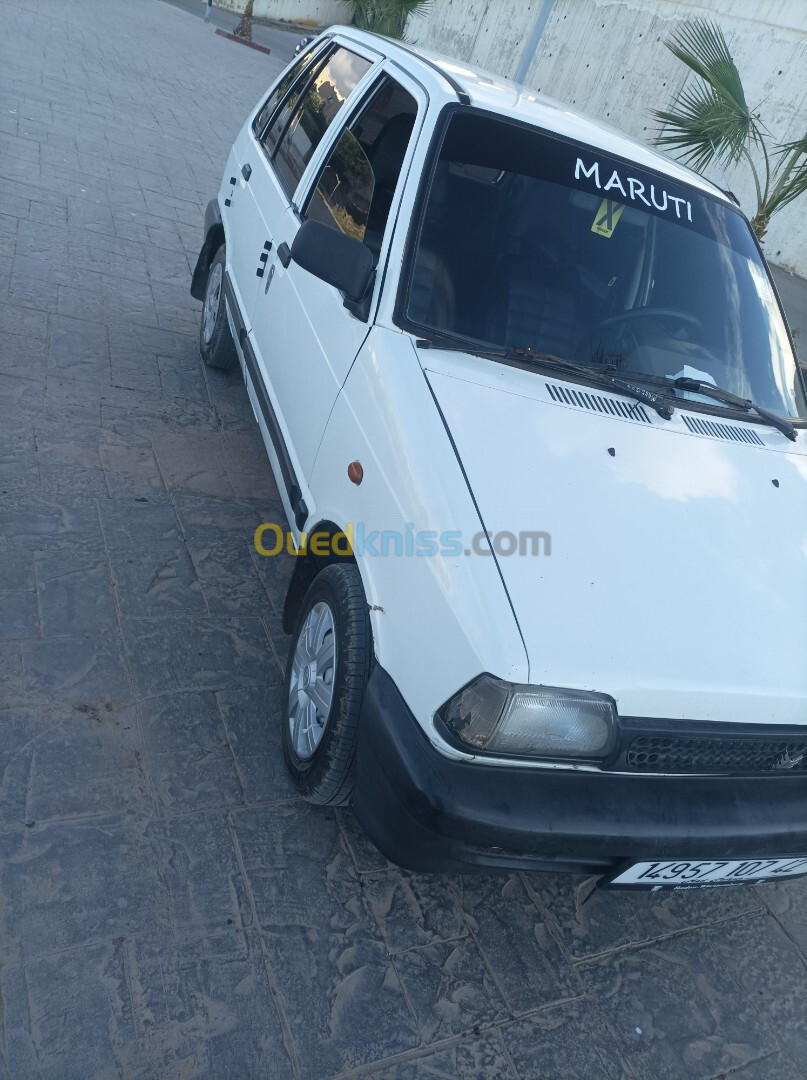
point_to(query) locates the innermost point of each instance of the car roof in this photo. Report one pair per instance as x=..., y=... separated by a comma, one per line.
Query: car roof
x=487, y=90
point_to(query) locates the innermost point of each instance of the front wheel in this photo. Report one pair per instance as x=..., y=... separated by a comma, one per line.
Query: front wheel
x=215, y=340
x=326, y=675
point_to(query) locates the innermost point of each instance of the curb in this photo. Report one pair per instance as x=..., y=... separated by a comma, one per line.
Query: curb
x=243, y=41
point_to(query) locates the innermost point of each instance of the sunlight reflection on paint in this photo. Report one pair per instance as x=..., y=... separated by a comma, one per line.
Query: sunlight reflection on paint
x=696, y=470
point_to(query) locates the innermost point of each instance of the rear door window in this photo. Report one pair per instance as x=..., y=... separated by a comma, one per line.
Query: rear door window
x=279, y=120
x=278, y=96
x=298, y=129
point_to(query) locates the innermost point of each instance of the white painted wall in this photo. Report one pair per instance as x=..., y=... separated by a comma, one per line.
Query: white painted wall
x=324, y=12
x=607, y=58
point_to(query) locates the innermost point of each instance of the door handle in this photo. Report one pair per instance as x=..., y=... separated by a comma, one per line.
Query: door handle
x=246, y=171
x=284, y=253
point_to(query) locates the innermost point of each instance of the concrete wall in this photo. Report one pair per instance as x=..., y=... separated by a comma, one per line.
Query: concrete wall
x=324, y=12
x=607, y=58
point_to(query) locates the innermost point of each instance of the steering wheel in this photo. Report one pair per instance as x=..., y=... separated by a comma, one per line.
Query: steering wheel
x=647, y=313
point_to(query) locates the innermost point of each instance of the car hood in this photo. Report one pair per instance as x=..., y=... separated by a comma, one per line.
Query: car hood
x=677, y=577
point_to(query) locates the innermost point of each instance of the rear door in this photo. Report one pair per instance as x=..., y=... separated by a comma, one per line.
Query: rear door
x=305, y=339
x=252, y=201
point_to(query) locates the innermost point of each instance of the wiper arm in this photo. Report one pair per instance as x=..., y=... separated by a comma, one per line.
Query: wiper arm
x=661, y=404
x=696, y=386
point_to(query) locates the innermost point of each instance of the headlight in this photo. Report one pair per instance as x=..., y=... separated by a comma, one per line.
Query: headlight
x=532, y=721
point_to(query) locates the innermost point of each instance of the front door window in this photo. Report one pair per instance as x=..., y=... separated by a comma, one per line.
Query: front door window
x=354, y=191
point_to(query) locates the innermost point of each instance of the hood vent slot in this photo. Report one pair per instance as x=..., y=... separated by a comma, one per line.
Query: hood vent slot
x=627, y=410
x=729, y=432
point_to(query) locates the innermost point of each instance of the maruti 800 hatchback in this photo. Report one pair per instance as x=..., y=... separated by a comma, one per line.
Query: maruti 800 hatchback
x=468, y=316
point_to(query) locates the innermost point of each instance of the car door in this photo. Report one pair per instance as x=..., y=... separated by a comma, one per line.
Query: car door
x=252, y=200
x=305, y=338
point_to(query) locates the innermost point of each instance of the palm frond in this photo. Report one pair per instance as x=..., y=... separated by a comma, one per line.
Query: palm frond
x=712, y=121
x=702, y=127
x=700, y=45
x=790, y=176
x=387, y=17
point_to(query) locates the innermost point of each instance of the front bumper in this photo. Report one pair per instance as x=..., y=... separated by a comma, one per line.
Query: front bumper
x=427, y=812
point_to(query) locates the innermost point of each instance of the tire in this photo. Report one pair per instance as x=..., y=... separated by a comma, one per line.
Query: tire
x=320, y=756
x=215, y=340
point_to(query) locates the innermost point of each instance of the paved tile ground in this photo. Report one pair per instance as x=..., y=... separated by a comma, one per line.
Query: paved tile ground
x=167, y=907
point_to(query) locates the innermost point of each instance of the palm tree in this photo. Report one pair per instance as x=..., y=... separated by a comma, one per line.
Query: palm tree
x=244, y=28
x=388, y=17
x=712, y=121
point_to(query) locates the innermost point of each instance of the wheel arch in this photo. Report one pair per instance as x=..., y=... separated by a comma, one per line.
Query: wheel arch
x=308, y=564
x=214, y=238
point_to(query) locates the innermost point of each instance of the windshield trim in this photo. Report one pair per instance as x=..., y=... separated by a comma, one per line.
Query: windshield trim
x=401, y=319
x=680, y=404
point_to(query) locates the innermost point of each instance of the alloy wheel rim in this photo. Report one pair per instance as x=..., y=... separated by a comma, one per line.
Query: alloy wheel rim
x=212, y=297
x=311, y=686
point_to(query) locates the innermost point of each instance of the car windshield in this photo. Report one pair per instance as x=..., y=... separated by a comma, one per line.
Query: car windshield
x=529, y=240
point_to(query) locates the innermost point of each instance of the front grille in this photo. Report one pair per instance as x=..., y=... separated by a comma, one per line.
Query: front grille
x=722, y=754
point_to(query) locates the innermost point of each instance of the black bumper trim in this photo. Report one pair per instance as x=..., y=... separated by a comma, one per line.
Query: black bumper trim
x=427, y=812
x=298, y=505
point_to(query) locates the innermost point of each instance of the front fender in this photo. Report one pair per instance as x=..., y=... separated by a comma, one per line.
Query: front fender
x=438, y=620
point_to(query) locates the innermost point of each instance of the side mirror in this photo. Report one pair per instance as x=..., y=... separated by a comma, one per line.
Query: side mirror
x=334, y=257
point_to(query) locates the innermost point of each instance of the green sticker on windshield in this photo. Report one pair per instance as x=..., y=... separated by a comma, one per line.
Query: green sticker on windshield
x=606, y=218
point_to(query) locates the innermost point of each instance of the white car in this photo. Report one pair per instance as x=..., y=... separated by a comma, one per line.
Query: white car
x=536, y=421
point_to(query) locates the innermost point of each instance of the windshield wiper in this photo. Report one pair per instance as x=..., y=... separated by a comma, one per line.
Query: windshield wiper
x=708, y=389
x=662, y=405
x=697, y=386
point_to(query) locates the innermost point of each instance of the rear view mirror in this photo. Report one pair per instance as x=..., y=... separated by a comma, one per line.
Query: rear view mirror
x=334, y=257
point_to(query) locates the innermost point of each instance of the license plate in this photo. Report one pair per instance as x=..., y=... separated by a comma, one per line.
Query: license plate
x=680, y=874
